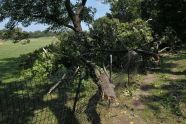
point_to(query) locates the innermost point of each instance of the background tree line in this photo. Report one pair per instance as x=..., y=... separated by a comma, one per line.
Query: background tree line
x=18, y=33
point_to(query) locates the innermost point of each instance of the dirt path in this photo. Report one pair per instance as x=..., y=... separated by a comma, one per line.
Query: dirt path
x=121, y=116
x=145, y=104
x=118, y=115
x=149, y=78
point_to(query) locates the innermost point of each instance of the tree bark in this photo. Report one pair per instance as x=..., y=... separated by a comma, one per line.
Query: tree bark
x=102, y=80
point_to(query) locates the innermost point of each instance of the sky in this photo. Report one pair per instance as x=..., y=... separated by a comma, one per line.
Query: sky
x=102, y=9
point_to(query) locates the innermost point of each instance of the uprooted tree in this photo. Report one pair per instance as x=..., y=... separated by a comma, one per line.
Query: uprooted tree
x=60, y=14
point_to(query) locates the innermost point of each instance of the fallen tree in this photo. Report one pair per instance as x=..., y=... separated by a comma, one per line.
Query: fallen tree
x=58, y=14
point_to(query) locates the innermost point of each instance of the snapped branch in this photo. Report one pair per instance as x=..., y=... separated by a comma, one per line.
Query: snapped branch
x=63, y=78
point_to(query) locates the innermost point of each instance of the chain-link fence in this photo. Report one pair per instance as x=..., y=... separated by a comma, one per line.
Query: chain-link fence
x=25, y=102
x=28, y=101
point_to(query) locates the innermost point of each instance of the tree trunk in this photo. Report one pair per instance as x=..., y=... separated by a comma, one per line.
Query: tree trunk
x=77, y=24
x=102, y=79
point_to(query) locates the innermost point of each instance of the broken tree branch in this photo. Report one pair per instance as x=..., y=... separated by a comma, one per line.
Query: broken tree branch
x=140, y=51
x=63, y=78
x=57, y=84
x=102, y=81
x=148, y=53
x=163, y=49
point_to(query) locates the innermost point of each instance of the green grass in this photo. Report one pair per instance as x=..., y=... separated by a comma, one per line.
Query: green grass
x=163, y=95
x=8, y=49
x=163, y=100
x=9, y=53
x=27, y=101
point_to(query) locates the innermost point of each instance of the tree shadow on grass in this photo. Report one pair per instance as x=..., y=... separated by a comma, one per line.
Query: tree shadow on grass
x=176, y=57
x=173, y=94
x=15, y=105
x=63, y=113
x=167, y=64
x=91, y=112
x=166, y=68
x=25, y=102
x=8, y=67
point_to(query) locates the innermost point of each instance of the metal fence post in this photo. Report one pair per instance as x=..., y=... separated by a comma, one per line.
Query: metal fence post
x=110, y=67
x=77, y=94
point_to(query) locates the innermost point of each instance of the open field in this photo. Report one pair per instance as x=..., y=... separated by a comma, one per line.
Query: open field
x=19, y=102
x=154, y=98
x=8, y=49
x=9, y=52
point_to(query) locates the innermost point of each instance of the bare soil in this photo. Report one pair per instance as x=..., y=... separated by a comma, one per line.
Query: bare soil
x=119, y=115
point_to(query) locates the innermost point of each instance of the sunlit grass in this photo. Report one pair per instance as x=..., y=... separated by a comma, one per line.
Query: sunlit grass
x=8, y=49
x=164, y=99
x=9, y=52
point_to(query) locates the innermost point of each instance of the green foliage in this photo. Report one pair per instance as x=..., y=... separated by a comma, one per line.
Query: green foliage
x=41, y=67
x=15, y=34
x=53, y=13
x=126, y=10
x=1, y=34
x=166, y=14
x=135, y=34
x=37, y=34
x=53, y=60
x=27, y=60
x=163, y=16
x=170, y=39
x=103, y=33
x=68, y=52
x=111, y=34
x=170, y=103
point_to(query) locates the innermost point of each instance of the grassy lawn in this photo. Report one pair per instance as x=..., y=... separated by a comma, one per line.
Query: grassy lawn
x=158, y=97
x=154, y=98
x=9, y=49
x=9, y=52
x=27, y=101
x=18, y=104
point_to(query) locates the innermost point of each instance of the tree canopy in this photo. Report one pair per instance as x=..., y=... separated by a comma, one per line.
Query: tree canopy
x=126, y=10
x=56, y=13
x=59, y=14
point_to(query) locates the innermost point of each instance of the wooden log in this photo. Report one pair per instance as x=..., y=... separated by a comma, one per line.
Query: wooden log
x=102, y=81
x=62, y=79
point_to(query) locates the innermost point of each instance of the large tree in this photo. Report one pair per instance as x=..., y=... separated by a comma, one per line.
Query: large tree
x=58, y=14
